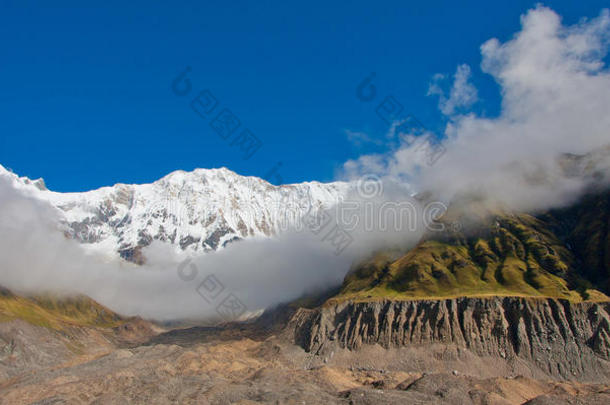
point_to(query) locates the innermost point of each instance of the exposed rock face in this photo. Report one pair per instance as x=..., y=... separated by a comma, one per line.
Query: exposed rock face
x=564, y=339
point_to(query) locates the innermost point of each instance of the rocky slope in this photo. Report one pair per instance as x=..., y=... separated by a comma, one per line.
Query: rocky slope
x=585, y=228
x=524, y=291
x=561, y=339
x=198, y=211
x=45, y=331
x=254, y=363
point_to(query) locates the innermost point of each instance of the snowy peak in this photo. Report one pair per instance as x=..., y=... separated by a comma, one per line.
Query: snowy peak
x=38, y=183
x=198, y=211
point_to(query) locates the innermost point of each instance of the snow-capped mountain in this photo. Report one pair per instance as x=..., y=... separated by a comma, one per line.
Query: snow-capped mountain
x=199, y=211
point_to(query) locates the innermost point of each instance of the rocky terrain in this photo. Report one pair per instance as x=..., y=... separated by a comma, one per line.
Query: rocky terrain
x=286, y=357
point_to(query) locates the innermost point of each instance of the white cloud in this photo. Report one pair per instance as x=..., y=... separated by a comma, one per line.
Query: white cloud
x=36, y=257
x=462, y=94
x=555, y=99
x=359, y=139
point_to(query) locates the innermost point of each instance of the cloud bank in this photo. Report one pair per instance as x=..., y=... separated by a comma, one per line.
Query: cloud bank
x=36, y=257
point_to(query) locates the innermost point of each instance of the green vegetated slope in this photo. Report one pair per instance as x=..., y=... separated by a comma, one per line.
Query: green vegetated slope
x=54, y=312
x=561, y=254
x=586, y=229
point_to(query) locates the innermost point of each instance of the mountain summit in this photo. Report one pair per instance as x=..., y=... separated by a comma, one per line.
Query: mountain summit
x=198, y=211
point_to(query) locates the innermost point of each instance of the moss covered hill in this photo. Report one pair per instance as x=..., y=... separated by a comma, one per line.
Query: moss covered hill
x=56, y=313
x=562, y=254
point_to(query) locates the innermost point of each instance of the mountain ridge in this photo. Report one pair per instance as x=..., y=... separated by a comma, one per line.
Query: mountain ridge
x=558, y=253
x=199, y=211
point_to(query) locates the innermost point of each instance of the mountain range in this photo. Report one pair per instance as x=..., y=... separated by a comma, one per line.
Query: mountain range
x=199, y=211
x=510, y=307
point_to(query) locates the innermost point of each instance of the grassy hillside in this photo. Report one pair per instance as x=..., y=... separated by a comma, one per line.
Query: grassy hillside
x=561, y=254
x=56, y=313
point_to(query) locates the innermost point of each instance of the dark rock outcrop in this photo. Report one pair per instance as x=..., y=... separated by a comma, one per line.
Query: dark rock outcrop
x=563, y=339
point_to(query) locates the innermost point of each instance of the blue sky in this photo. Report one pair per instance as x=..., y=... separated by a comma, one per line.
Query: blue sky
x=86, y=96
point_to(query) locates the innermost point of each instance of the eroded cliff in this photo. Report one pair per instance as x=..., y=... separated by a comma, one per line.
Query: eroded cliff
x=563, y=339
